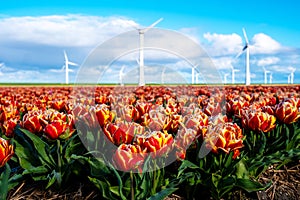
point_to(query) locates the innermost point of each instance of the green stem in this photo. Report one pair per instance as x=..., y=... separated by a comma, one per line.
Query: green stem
x=59, y=179
x=132, y=188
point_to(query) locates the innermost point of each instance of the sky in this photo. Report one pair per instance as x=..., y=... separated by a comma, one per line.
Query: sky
x=34, y=35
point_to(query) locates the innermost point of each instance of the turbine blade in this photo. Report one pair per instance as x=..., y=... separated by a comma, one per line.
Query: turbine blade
x=66, y=57
x=245, y=36
x=152, y=25
x=73, y=64
x=238, y=55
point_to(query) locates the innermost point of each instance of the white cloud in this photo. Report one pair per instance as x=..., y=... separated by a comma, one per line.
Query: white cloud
x=264, y=44
x=63, y=30
x=223, y=44
x=268, y=61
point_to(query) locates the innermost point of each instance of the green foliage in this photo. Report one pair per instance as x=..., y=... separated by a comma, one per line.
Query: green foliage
x=45, y=160
x=4, y=177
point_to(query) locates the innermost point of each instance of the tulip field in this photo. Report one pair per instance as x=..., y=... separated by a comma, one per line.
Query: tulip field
x=150, y=142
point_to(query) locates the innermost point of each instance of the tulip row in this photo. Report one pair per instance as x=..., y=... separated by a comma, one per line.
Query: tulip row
x=148, y=121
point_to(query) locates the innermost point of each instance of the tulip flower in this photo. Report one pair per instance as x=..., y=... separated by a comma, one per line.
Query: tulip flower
x=8, y=127
x=6, y=151
x=287, y=111
x=128, y=157
x=183, y=140
x=226, y=137
x=55, y=129
x=122, y=132
x=104, y=115
x=157, y=142
x=31, y=122
x=258, y=121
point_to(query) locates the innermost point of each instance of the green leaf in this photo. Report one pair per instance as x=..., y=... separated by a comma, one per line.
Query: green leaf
x=4, y=176
x=186, y=165
x=41, y=148
x=25, y=156
x=103, y=187
x=36, y=170
x=250, y=186
x=241, y=171
x=52, y=178
x=162, y=194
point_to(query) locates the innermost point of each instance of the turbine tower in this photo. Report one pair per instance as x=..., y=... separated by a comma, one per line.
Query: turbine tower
x=292, y=75
x=197, y=78
x=141, y=55
x=225, y=78
x=163, y=75
x=246, y=48
x=233, y=74
x=66, y=66
x=121, y=74
x=265, y=74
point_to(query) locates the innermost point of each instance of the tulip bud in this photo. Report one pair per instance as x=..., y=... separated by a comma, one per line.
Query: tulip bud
x=258, y=121
x=128, y=157
x=6, y=151
x=226, y=137
x=287, y=111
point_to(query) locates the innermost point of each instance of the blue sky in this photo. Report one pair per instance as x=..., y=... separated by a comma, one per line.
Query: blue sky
x=33, y=34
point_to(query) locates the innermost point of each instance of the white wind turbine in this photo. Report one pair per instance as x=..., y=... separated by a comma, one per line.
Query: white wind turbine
x=289, y=78
x=197, y=78
x=142, y=31
x=292, y=75
x=121, y=74
x=271, y=78
x=163, y=75
x=246, y=48
x=1, y=67
x=225, y=78
x=265, y=74
x=233, y=74
x=66, y=67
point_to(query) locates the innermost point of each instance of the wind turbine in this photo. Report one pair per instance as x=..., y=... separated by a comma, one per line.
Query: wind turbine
x=197, y=78
x=289, y=78
x=121, y=74
x=225, y=78
x=66, y=67
x=271, y=77
x=265, y=74
x=233, y=74
x=292, y=75
x=246, y=48
x=142, y=31
x=163, y=75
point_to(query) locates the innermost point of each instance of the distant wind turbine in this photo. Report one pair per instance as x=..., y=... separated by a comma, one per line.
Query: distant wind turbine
x=142, y=31
x=121, y=74
x=271, y=78
x=66, y=67
x=163, y=75
x=246, y=48
x=197, y=78
x=225, y=78
x=292, y=75
x=233, y=74
x=265, y=74
x=289, y=78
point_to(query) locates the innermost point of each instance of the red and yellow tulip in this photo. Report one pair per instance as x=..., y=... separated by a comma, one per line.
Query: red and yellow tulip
x=6, y=151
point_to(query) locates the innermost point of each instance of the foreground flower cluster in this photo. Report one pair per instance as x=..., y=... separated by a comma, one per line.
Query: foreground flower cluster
x=160, y=122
